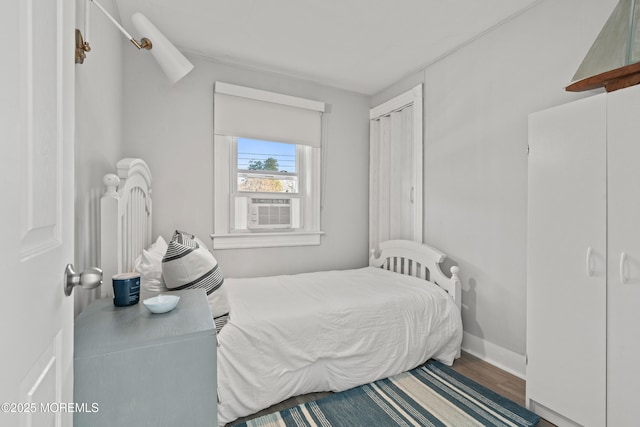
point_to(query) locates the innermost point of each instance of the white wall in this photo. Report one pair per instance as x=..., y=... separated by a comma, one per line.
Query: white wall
x=172, y=129
x=98, y=131
x=476, y=105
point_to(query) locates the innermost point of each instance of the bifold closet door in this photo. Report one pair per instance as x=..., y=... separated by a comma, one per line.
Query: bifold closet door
x=393, y=177
x=623, y=298
x=566, y=262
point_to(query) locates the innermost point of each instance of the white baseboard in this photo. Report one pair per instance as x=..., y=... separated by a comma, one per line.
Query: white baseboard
x=500, y=357
x=550, y=415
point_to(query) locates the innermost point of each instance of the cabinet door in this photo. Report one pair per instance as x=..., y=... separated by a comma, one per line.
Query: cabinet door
x=566, y=263
x=623, y=298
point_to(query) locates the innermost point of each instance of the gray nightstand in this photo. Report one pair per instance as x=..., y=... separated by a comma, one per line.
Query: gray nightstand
x=146, y=369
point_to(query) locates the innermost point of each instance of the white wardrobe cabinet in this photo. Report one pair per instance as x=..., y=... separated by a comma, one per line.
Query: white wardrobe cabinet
x=583, y=272
x=623, y=252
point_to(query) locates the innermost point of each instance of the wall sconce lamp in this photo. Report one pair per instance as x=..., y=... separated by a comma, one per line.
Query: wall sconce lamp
x=172, y=62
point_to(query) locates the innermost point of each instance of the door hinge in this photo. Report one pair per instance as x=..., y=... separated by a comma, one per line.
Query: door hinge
x=528, y=149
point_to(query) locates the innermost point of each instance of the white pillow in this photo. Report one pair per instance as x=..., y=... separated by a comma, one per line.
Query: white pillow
x=149, y=265
x=188, y=264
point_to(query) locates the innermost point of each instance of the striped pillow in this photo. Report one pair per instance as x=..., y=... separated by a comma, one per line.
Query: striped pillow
x=188, y=236
x=188, y=264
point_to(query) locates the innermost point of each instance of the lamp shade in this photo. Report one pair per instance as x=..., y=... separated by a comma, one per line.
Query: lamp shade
x=172, y=62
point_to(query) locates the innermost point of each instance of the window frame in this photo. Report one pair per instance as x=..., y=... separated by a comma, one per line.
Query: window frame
x=225, y=236
x=258, y=114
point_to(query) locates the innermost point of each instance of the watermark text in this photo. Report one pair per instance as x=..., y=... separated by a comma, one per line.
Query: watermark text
x=49, y=407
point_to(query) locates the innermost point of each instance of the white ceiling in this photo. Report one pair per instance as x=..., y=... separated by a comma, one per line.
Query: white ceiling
x=359, y=45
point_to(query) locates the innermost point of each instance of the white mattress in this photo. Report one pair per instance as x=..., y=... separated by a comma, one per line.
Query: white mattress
x=327, y=331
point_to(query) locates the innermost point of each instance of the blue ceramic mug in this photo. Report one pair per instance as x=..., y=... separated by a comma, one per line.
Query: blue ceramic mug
x=126, y=289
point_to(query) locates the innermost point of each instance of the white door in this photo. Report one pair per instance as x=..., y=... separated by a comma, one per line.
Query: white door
x=37, y=155
x=623, y=298
x=566, y=262
x=395, y=168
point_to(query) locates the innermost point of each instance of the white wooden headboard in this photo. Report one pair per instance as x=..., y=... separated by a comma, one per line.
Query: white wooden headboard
x=125, y=218
x=418, y=260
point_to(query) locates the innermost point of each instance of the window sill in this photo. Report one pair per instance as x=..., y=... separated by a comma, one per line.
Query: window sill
x=266, y=240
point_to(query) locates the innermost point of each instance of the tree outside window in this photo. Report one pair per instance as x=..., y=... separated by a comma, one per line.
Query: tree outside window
x=259, y=169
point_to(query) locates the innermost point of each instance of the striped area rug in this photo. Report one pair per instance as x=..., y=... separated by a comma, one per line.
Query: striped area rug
x=431, y=395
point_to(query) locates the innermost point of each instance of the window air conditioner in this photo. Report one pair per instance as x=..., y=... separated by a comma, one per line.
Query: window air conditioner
x=265, y=214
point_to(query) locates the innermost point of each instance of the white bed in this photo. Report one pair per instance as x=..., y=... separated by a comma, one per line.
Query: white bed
x=321, y=331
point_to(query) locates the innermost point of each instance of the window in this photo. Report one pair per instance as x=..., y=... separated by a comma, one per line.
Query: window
x=266, y=167
x=267, y=192
x=267, y=159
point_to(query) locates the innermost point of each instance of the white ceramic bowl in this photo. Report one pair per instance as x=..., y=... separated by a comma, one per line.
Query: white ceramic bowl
x=161, y=303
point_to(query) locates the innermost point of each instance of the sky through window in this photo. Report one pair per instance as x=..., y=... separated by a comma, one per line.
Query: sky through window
x=253, y=150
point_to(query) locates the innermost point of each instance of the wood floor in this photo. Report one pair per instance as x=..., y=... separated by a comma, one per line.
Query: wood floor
x=493, y=378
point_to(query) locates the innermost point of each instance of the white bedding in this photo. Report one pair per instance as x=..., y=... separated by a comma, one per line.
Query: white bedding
x=333, y=330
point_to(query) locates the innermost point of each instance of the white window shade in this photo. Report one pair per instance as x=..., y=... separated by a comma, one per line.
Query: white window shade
x=253, y=113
